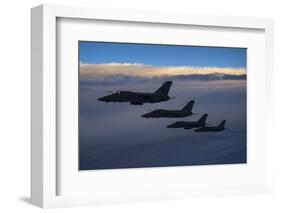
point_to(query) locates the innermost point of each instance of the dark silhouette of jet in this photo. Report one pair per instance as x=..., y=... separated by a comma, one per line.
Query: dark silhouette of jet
x=164, y=113
x=218, y=128
x=138, y=98
x=190, y=124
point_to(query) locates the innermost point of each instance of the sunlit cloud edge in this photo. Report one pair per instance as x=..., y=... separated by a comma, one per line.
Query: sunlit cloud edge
x=144, y=70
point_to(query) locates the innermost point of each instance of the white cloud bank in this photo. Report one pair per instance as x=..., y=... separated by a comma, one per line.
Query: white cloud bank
x=142, y=70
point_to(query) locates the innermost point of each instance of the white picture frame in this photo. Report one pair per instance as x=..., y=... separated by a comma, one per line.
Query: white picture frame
x=44, y=149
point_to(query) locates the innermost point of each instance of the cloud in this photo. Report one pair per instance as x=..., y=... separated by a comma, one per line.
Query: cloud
x=138, y=142
x=125, y=79
x=150, y=71
x=114, y=64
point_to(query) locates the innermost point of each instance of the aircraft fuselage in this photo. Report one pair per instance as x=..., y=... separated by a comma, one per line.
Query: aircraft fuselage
x=209, y=129
x=133, y=97
x=186, y=125
x=162, y=113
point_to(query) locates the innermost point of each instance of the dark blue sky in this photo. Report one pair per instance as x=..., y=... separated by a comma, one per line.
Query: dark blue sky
x=162, y=55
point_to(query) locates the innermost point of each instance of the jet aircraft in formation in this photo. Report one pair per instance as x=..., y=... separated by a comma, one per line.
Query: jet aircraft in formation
x=190, y=124
x=138, y=98
x=160, y=95
x=165, y=113
x=218, y=128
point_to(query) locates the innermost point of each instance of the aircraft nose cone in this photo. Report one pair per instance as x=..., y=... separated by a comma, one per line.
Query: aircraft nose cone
x=144, y=116
x=102, y=99
x=148, y=115
x=172, y=126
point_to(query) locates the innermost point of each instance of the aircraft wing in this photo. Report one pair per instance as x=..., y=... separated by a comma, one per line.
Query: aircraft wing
x=136, y=103
x=140, y=99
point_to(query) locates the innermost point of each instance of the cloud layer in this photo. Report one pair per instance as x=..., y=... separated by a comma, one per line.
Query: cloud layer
x=149, y=71
x=114, y=135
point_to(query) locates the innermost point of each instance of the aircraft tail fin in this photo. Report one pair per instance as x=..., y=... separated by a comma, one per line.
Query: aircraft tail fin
x=222, y=124
x=203, y=119
x=164, y=89
x=188, y=106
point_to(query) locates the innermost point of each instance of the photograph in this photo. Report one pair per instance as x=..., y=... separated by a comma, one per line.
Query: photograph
x=157, y=105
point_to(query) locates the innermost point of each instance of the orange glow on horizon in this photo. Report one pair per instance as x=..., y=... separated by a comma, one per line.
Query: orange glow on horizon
x=96, y=70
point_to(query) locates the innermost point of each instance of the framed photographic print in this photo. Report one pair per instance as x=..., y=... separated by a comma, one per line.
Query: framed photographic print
x=187, y=85
x=130, y=106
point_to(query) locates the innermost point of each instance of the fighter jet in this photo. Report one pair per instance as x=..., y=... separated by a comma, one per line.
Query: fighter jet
x=164, y=113
x=218, y=128
x=190, y=124
x=138, y=98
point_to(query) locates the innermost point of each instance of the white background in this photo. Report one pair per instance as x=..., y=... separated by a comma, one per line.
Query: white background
x=15, y=104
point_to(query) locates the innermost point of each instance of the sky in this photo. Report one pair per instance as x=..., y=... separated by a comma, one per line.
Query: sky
x=161, y=55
